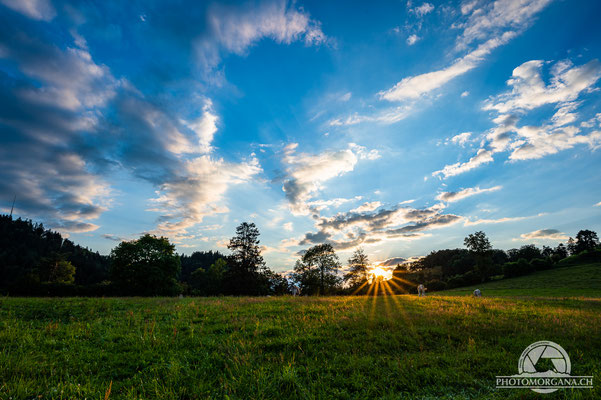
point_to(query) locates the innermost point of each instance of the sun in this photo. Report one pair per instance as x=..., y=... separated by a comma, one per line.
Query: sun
x=379, y=274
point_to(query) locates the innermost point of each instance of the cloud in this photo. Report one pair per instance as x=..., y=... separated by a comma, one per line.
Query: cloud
x=461, y=139
x=462, y=194
x=412, y=39
x=288, y=226
x=307, y=172
x=529, y=91
x=482, y=157
x=354, y=228
x=469, y=222
x=414, y=87
x=43, y=153
x=370, y=206
x=493, y=18
x=422, y=10
x=598, y=204
x=319, y=205
x=41, y=10
x=465, y=94
x=345, y=97
x=198, y=190
x=545, y=234
x=392, y=262
x=236, y=29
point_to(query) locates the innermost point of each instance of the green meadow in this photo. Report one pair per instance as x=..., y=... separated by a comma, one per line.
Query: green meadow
x=386, y=347
x=570, y=281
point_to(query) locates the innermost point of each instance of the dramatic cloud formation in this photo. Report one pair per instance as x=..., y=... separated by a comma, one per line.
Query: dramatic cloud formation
x=41, y=125
x=544, y=234
x=528, y=92
x=462, y=194
x=350, y=229
x=307, y=172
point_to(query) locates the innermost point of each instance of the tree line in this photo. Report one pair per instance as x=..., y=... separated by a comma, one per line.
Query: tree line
x=35, y=261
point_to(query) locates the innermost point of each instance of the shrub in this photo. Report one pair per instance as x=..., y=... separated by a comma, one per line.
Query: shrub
x=517, y=268
x=435, y=285
x=541, y=264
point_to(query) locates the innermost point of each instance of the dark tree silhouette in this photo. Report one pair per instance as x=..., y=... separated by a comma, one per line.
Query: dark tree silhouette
x=479, y=244
x=246, y=266
x=147, y=266
x=358, y=268
x=586, y=240
x=316, y=271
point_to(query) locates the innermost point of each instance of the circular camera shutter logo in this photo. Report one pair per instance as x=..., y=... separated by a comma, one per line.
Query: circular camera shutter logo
x=544, y=359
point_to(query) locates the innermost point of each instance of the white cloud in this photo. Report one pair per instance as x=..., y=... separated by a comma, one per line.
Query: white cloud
x=235, y=29
x=494, y=17
x=34, y=9
x=598, y=204
x=346, y=96
x=307, y=173
x=544, y=234
x=462, y=194
x=422, y=10
x=529, y=90
x=370, y=206
x=412, y=39
x=416, y=86
x=198, y=191
x=465, y=94
x=204, y=127
x=461, y=139
x=482, y=157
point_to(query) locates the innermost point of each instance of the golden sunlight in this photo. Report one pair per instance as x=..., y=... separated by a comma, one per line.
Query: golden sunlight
x=378, y=274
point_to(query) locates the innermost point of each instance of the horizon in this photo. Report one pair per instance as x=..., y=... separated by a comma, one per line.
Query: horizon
x=400, y=129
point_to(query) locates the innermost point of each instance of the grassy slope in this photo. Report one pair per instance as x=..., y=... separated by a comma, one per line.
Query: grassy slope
x=305, y=348
x=572, y=281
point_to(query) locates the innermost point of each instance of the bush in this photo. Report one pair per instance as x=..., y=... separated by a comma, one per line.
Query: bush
x=593, y=255
x=435, y=285
x=517, y=268
x=467, y=279
x=541, y=264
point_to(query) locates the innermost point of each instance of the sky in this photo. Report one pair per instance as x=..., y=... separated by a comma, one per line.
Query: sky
x=399, y=127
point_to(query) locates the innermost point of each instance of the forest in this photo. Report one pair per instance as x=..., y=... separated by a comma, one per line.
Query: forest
x=35, y=261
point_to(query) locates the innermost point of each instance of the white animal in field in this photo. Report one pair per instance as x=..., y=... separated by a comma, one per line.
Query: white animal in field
x=295, y=290
x=477, y=293
x=421, y=290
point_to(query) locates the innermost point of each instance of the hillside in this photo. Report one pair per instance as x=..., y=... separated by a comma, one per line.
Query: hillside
x=570, y=281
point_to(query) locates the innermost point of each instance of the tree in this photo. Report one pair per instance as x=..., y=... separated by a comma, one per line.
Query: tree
x=55, y=269
x=586, y=240
x=316, y=270
x=209, y=282
x=572, y=247
x=246, y=264
x=479, y=244
x=147, y=266
x=560, y=252
x=358, y=268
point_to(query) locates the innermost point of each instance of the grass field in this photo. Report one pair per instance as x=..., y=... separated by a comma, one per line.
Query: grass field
x=305, y=348
x=572, y=281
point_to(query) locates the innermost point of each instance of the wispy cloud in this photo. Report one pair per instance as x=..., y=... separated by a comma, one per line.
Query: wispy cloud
x=235, y=29
x=35, y=9
x=544, y=234
x=462, y=194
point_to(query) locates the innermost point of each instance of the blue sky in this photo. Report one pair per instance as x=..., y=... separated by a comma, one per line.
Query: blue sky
x=399, y=127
